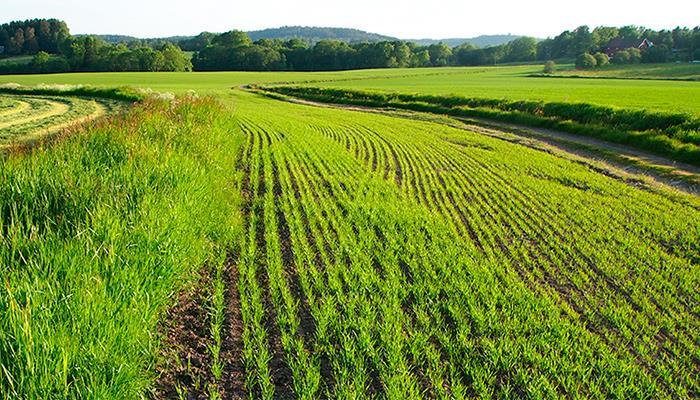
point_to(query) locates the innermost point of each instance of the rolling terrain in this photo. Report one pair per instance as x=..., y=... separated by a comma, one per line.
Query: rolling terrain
x=239, y=243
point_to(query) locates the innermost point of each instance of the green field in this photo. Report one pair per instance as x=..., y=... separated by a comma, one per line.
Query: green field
x=675, y=71
x=242, y=246
x=481, y=82
x=512, y=83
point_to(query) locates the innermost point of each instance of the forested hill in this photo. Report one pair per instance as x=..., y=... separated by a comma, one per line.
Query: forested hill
x=479, y=41
x=315, y=34
x=116, y=39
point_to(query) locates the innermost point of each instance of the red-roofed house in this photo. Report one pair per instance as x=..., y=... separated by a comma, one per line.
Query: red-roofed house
x=619, y=44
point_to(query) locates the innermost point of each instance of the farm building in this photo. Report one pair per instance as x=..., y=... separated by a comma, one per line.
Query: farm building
x=619, y=44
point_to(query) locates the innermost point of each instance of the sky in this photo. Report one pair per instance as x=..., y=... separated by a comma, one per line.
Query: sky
x=405, y=19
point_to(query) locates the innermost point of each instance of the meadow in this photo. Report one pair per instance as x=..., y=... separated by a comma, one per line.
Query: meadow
x=669, y=71
x=241, y=246
x=509, y=82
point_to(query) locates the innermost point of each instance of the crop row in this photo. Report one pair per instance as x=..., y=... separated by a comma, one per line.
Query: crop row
x=403, y=259
x=672, y=135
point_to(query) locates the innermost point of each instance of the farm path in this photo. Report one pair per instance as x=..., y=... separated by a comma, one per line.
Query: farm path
x=590, y=147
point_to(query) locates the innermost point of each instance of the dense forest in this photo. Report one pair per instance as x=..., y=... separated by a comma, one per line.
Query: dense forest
x=55, y=50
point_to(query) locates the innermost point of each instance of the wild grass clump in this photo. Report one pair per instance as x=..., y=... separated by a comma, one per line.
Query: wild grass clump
x=97, y=235
x=672, y=135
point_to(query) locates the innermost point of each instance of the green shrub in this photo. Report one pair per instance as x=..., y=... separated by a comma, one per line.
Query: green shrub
x=549, y=67
x=601, y=59
x=635, y=55
x=585, y=61
x=621, y=57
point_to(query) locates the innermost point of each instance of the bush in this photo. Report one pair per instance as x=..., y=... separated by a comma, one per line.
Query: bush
x=656, y=54
x=601, y=59
x=635, y=56
x=585, y=61
x=621, y=57
x=549, y=67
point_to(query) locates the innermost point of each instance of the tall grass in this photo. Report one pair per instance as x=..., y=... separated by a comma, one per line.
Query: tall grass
x=673, y=135
x=97, y=235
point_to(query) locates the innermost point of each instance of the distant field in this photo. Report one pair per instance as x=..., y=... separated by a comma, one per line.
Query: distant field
x=512, y=83
x=484, y=82
x=669, y=71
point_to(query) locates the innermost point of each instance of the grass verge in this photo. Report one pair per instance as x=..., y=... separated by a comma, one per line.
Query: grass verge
x=98, y=234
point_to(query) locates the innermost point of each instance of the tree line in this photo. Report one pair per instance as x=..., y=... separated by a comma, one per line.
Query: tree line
x=679, y=44
x=55, y=50
x=235, y=51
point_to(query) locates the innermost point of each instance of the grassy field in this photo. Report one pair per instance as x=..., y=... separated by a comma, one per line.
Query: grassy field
x=241, y=246
x=672, y=135
x=675, y=71
x=406, y=259
x=510, y=83
x=97, y=236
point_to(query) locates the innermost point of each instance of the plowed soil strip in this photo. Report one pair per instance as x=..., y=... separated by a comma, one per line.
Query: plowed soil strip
x=232, y=385
x=186, y=356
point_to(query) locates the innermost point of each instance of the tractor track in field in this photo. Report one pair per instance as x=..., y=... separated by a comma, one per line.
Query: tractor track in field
x=186, y=354
x=232, y=385
x=187, y=359
x=280, y=372
x=553, y=279
x=617, y=160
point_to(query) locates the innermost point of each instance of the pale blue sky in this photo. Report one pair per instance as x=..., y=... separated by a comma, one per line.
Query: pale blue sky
x=404, y=19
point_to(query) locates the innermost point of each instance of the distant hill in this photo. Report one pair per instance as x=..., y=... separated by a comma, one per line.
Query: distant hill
x=115, y=39
x=479, y=41
x=315, y=34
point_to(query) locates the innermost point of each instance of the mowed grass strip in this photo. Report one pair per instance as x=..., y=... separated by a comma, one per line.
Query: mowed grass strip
x=97, y=236
x=47, y=115
x=9, y=106
x=404, y=259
